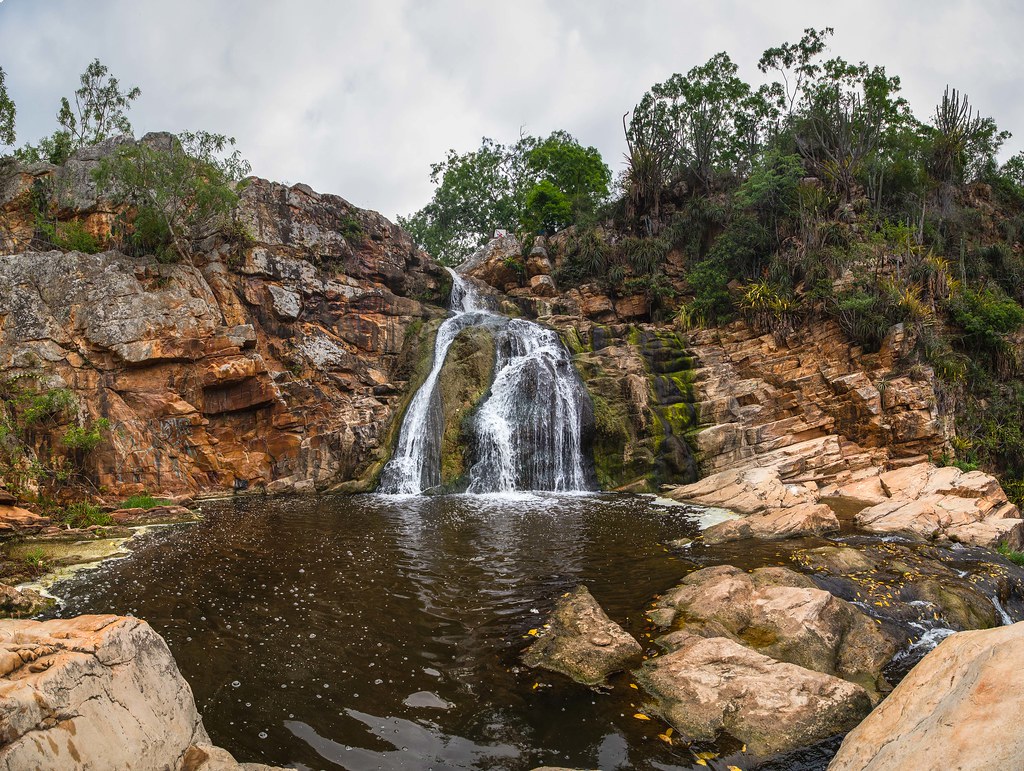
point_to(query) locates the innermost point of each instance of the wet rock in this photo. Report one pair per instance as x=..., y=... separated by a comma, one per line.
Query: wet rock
x=464, y=381
x=781, y=614
x=800, y=520
x=958, y=708
x=19, y=603
x=582, y=642
x=156, y=514
x=708, y=685
x=919, y=587
x=93, y=692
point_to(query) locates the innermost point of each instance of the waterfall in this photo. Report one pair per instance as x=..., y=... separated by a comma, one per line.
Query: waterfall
x=528, y=432
x=416, y=464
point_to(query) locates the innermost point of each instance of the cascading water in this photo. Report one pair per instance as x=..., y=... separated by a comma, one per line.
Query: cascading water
x=528, y=431
x=416, y=464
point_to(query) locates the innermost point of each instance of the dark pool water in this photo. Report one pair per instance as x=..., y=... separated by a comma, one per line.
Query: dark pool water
x=370, y=632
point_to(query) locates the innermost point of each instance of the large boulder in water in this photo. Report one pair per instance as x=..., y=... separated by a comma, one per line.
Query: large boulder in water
x=959, y=708
x=781, y=614
x=708, y=685
x=582, y=642
x=97, y=692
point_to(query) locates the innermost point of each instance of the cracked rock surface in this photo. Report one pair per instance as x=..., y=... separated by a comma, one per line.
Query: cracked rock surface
x=97, y=692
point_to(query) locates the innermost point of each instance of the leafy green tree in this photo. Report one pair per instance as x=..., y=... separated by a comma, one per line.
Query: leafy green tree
x=798, y=65
x=183, y=188
x=7, y=114
x=100, y=111
x=533, y=183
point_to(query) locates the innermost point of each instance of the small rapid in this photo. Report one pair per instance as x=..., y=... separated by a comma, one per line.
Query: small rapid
x=528, y=432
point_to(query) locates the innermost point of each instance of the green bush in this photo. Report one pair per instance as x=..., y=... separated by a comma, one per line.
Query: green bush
x=1016, y=557
x=986, y=316
x=82, y=514
x=708, y=281
x=86, y=439
x=144, y=501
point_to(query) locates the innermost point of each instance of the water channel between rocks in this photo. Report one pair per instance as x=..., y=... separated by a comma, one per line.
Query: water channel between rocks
x=384, y=632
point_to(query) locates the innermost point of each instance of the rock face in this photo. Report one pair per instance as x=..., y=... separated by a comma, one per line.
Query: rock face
x=95, y=692
x=278, y=363
x=582, y=642
x=958, y=708
x=708, y=685
x=781, y=614
x=944, y=504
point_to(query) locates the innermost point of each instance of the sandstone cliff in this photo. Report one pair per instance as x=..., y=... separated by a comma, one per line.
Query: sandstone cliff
x=277, y=359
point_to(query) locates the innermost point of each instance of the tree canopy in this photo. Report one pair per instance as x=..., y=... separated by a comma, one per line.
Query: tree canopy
x=7, y=114
x=534, y=184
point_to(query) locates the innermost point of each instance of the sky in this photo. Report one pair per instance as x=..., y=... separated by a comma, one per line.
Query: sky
x=358, y=98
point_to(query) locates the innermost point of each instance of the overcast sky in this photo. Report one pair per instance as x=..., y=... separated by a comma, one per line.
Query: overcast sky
x=358, y=98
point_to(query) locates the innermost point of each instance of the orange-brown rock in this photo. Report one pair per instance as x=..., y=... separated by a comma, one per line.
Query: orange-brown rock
x=15, y=520
x=280, y=364
x=96, y=692
x=958, y=708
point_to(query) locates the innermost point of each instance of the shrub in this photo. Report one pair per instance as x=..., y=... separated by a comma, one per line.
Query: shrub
x=183, y=188
x=144, y=501
x=82, y=514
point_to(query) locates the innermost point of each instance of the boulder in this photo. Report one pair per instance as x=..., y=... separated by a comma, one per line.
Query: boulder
x=708, y=685
x=958, y=708
x=542, y=286
x=582, y=642
x=945, y=504
x=94, y=692
x=781, y=614
x=18, y=603
x=800, y=520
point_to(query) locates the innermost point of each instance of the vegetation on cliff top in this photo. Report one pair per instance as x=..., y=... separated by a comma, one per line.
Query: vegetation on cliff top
x=818, y=194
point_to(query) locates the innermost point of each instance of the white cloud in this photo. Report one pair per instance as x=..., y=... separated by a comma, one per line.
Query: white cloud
x=359, y=98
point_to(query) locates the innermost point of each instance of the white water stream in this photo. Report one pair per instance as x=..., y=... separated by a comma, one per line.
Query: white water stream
x=529, y=429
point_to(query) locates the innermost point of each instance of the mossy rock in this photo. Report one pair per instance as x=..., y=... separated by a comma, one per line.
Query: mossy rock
x=465, y=380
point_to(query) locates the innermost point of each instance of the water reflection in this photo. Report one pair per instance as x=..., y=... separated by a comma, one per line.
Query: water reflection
x=382, y=632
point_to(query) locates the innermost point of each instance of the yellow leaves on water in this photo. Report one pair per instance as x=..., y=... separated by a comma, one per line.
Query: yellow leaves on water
x=633, y=686
x=641, y=716
x=666, y=737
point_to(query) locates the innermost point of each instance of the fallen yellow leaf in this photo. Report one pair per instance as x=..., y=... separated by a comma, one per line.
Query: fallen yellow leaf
x=641, y=716
x=532, y=632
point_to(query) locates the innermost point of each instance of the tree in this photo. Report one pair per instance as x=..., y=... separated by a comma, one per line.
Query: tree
x=7, y=114
x=182, y=188
x=533, y=183
x=100, y=111
x=963, y=144
x=797, y=64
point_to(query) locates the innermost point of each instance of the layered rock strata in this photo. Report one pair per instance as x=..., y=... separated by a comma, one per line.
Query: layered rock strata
x=276, y=360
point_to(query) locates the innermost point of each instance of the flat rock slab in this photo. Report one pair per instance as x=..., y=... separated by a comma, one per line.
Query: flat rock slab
x=944, y=504
x=959, y=708
x=709, y=685
x=799, y=520
x=782, y=614
x=582, y=642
